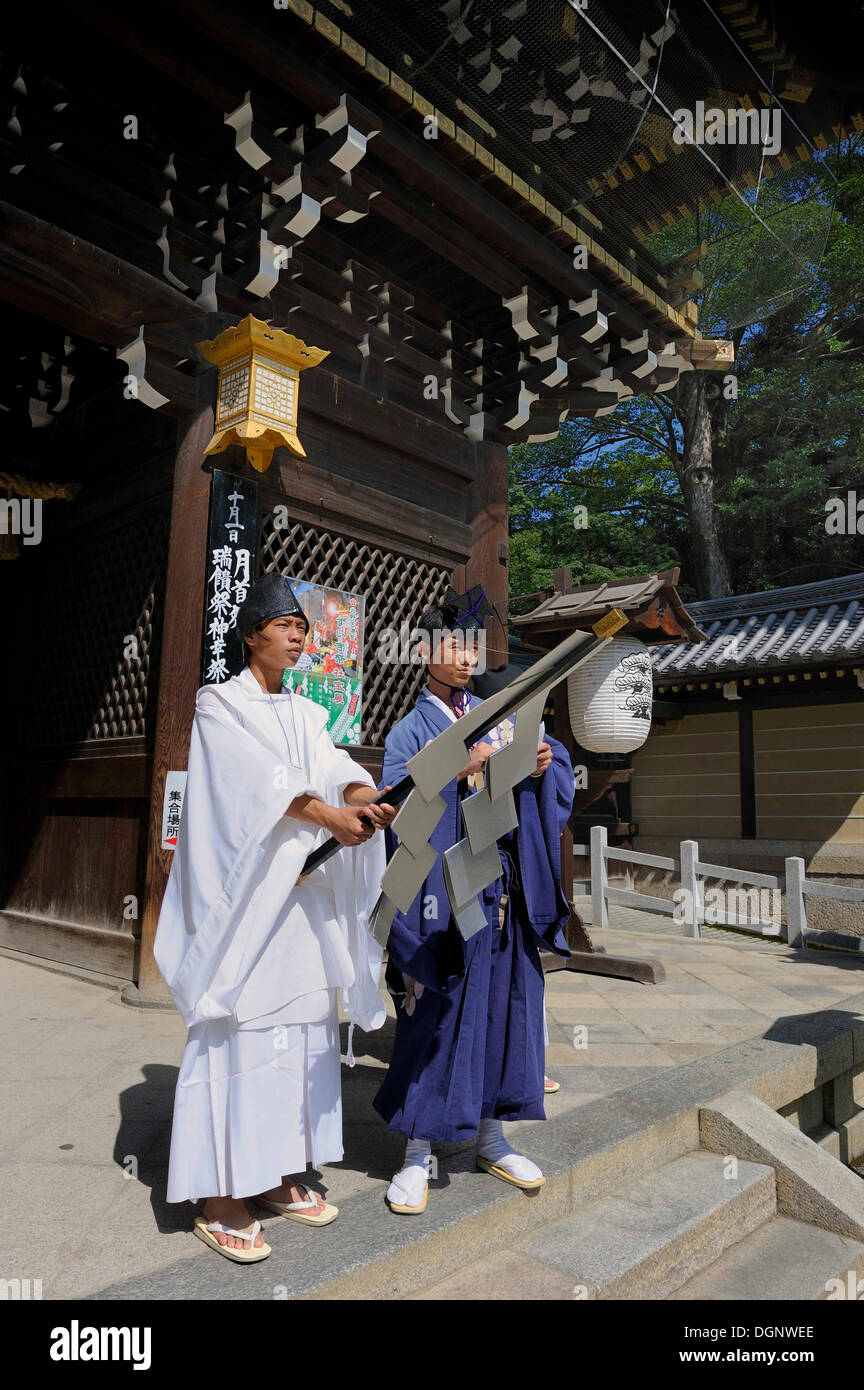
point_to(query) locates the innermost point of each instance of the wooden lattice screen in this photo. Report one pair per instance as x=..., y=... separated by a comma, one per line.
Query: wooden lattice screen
x=396, y=587
x=98, y=593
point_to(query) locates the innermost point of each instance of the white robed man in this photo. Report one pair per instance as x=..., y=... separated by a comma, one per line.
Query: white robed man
x=254, y=958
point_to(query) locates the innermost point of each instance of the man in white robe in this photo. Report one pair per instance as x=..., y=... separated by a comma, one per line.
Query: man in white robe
x=253, y=958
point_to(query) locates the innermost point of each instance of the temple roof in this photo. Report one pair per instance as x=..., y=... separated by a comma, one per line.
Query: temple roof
x=652, y=601
x=804, y=626
x=568, y=114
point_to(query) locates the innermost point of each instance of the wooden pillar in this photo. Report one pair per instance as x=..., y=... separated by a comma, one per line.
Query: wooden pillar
x=747, y=772
x=563, y=581
x=180, y=663
x=488, y=564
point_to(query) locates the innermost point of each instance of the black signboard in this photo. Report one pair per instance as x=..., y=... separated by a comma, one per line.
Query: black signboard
x=230, y=565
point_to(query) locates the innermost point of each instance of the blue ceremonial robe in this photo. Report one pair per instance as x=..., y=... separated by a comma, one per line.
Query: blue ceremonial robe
x=473, y=1047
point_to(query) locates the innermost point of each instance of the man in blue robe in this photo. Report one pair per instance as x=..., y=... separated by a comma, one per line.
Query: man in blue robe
x=469, y=1046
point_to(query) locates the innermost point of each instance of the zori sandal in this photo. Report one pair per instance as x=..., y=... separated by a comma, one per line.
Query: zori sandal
x=550, y=1086
x=204, y=1229
x=293, y=1211
x=498, y=1171
x=403, y=1195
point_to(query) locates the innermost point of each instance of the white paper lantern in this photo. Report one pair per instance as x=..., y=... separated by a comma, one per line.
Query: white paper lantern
x=610, y=698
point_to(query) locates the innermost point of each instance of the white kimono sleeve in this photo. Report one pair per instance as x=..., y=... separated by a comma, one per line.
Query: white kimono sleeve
x=236, y=794
x=354, y=874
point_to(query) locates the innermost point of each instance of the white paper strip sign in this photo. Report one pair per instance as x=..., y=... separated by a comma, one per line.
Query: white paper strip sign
x=172, y=808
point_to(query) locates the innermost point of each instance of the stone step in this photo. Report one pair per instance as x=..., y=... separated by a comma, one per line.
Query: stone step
x=589, y=1153
x=586, y=1154
x=653, y=1236
x=784, y=1259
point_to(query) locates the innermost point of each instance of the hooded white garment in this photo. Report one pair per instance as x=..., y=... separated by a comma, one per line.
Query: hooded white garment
x=230, y=942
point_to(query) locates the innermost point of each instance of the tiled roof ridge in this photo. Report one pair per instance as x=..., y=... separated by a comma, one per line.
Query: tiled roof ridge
x=850, y=586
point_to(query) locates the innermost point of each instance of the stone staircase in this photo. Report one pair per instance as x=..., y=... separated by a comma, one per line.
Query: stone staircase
x=642, y=1201
x=699, y=1227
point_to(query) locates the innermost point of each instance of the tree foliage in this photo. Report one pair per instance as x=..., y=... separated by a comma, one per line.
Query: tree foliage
x=791, y=438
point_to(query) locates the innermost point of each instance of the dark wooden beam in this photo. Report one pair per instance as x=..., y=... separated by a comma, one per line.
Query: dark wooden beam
x=126, y=776
x=329, y=244
x=747, y=772
x=647, y=970
x=49, y=272
x=93, y=948
x=677, y=709
x=324, y=498
x=165, y=55
x=437, y=230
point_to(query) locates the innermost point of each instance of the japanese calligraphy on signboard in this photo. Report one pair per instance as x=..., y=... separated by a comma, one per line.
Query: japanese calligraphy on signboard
x=232, y=539
x=330, y=669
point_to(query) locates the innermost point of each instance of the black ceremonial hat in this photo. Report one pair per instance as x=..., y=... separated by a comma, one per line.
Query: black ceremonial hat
x=493, y=679
x=466, y=610
x=271, y=596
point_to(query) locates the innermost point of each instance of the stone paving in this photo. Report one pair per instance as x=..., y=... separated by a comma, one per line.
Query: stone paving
x=86, y=1087
x=722, y=989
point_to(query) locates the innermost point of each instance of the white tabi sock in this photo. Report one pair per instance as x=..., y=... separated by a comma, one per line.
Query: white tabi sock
x=492, y=1145
x=409, y=1183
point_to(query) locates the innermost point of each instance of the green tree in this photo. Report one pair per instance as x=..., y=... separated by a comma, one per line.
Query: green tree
x=731, y=487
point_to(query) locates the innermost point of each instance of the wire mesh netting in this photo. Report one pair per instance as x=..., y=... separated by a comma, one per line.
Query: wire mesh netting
x=607, y=110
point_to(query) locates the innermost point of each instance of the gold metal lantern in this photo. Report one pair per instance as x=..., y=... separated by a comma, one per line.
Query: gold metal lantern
x=259, y=380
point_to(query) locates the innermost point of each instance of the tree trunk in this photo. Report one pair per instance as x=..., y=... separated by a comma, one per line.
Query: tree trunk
x=696, y=475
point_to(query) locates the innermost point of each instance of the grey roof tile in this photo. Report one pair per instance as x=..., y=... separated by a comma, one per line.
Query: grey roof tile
x=781, y=629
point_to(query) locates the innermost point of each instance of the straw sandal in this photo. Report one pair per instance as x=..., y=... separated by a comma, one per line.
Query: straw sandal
x=293, y=1211
x=487, y=1166
x=402, y=1207
x=204, y=1229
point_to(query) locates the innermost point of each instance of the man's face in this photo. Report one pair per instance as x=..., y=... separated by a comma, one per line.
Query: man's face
x=279, y=643
x=453, y=657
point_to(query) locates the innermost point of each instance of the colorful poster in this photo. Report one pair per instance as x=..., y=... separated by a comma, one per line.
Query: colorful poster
x=330, y=670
